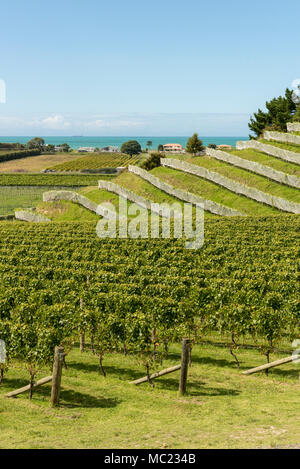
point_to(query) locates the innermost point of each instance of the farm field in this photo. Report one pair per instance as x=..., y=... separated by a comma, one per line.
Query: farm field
x=247, y=270
x=34, y=164
x=98, y=161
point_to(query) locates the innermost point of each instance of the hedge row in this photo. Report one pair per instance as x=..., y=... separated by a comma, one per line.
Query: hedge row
x=15, y=155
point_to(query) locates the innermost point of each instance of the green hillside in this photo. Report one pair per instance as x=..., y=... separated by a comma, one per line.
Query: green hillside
x=270, y=161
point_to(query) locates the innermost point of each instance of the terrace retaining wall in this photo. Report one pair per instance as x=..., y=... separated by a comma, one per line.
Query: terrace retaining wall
x=293, y=126
x=257, y=168
x=282, y=137
x=286, y=155
x=137, y=199
x=208, y=205
x=30, y=216
x=238, y=188
x=53, y=196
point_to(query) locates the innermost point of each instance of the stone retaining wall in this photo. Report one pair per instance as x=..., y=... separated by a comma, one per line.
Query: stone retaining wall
x=137, y=199
x=238, y=188
x=30, y=216
x=282, y=137
x=53, y=196
x=208, y=205
x=293, y=126
x=286, y=155
x=257, y=168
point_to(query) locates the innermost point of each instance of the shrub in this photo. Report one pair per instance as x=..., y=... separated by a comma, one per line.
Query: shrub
x=153, y=161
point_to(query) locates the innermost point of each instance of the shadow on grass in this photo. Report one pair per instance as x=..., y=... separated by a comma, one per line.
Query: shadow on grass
x=206, y=360
x=122, y=373
x=68, y=397
x=230, y=363
x=197, y=389
x=75, y=399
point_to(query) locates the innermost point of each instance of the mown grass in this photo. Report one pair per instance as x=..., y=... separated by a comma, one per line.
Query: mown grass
x=222, y=408
x=211, y=191
x=284, y=146
x=64, y=211
x=270, y=161
x=247, y=178
x=138, y=186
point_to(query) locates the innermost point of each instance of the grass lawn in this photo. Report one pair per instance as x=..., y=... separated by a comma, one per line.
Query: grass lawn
x=64, y=211
x=272, y=162
x=247, y=178
x=213, y=192
x=222, y=408
x=284, y=146
x=32, y=164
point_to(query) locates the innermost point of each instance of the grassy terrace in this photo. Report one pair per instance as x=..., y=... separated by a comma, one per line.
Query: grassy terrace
x=270, y=161
x=247, y=178
x=221, y=409
x=284, y=146
x=213, y=192
x=65, y=211
x=138, y=186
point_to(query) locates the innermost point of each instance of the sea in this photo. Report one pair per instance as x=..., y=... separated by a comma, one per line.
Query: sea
x=80, y=141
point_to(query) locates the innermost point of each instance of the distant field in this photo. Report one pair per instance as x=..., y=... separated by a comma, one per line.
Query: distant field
x=97, y=161
x=36, y=163
x=51, y=179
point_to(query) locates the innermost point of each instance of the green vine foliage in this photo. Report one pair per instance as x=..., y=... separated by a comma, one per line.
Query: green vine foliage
x=136, y=297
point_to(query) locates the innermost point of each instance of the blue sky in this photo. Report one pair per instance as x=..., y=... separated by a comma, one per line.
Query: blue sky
x=143, y=68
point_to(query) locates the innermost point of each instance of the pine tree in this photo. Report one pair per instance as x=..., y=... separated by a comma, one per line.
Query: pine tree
x=279, y=111
x=194, y=145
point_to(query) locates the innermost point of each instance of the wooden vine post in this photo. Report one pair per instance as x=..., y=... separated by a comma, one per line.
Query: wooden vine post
x=56, y=377
x=184, y=365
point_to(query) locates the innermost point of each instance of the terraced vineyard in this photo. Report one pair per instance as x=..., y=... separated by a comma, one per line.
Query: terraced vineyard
x=132, y=300
x=97, y=161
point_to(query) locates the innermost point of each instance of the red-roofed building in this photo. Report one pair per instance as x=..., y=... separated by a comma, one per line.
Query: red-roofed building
x=173, y=147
